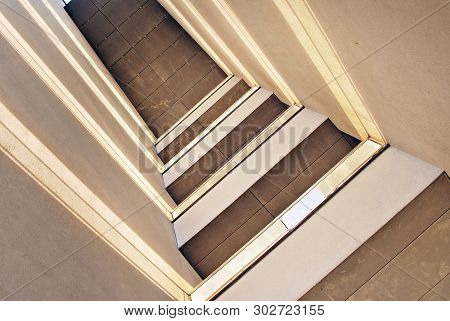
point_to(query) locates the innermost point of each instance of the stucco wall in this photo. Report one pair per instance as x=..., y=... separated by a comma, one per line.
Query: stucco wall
x=396, y=53
x=35, y=102
x=47, y=254
x=398, y=56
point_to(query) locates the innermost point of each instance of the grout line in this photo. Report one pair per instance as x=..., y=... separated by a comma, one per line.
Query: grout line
x=434, y=291
x=236, y=162
x=226, y=159
x=196, y=107
x=229, y=235
x=174, y=183
x=114, y=26
x=196, y=121
x=163, y=83
x=381, y=254
x=89, y=18
x=211, y=127
x=264, y=205
x=232, y=234
x=144, y=37
x=188, y=63
x=406, y=246
x=127, y=84
x=282, y=189
x=306, y=169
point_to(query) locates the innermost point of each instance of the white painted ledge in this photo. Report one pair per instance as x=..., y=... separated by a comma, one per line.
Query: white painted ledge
x=337, y=229
x=201, y=107
x=216, y=135
x=246, y=174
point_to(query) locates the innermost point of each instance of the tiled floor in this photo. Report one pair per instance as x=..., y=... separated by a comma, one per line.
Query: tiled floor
x=407, y=259
x=203, y=121
x=266, y=199
x=226, y=148
x=160, y=68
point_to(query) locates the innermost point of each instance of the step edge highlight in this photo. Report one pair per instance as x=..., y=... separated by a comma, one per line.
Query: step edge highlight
x=233, y=162
x=210, y=128
x=165, y=139
x=216, y=135
x=284, y=223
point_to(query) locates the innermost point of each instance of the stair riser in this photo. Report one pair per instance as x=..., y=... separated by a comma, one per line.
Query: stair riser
x=216, y=135
x=246, y=174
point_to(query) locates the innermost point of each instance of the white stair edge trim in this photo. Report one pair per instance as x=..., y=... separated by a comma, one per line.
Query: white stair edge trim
x=210, y=128
x=195, y=112
x=346, y=230
x=241, y=178
x=287, y=221
x=236, y=160
x=216, y=135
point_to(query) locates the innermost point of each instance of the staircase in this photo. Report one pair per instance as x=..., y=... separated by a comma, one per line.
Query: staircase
x=161, y=69
x=252, y=178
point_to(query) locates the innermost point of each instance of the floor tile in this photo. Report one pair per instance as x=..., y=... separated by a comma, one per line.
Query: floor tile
x=443, y=288
x=175, y=57
x=193, y=71
x=223, y=103
x=117, y=11
x=96, y=29
x=233, y=243
x=308, y=177
x=99, y=3
x=142, y=22
x=133, y=95
x=146, y=82
x=410, y=222
x=157, y=41
x=80, y=11
x=390, y=284
x=352, y=273
x=296, y=162
x=128, y=67
x=220, y=228
x=181, y=188
x=167, y=119
x=211, y=161
x=156, y=104
x=251, y=126
x=315, y=294
x=113, y=48
x=203, y=87
x=432, y=296
x=181, y=141
x=428, y=258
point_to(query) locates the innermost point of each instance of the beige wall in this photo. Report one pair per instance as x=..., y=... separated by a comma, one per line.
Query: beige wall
x=398, y=56
x=82, y=162
x=47, y=254
x=262, y=41
x=301, y=49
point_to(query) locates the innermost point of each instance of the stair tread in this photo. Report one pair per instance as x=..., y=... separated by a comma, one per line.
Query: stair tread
x=337, y=229
x=301, y=168
x=249, y=128
x=160, y=68
x=172, y=149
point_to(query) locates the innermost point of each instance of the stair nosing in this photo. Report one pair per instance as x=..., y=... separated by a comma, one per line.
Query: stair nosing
x=210, y=128
x=216, y=135
x=238, y=158
x=165, y=139
x=207, y=208
x=272, y=234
